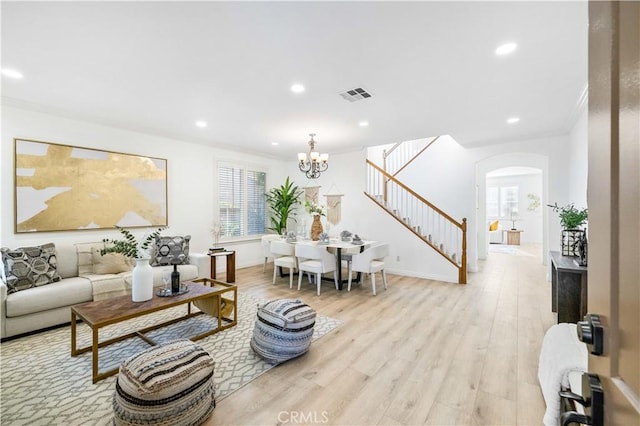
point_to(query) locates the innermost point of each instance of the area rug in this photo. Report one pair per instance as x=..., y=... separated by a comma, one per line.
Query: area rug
x=41, y=384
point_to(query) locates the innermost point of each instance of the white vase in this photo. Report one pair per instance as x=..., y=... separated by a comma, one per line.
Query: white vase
x=142, y=281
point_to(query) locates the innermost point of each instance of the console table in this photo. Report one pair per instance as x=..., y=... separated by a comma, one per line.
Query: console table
x=568, y=288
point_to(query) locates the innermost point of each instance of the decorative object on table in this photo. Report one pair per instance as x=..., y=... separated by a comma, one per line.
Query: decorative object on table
x=283, y=330
x=582, y=250
x=216, y=250
x=291, y=237
x=314, y=163
x=282, y=203
x=356, y=240
x=178, y=371
x=513, y=217
x=215, y=233
x=571, y=219
x=323, y=238
x=168, y=292
x=316, y=211
x=175, y=279
x=99, y=188
x=142, y=276
x=345, y=235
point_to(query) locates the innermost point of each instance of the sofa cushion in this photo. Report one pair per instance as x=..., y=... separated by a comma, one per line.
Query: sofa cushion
x=85, y=256
x=28, y=267
x=493, y=226
x=110, y=263
x=66, y=292
x=171, y=250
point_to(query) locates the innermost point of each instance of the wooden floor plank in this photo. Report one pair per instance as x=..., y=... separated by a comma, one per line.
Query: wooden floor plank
x=420, y=352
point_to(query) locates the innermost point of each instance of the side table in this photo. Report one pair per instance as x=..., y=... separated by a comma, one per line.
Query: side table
x=231, y=264
x=513, y=237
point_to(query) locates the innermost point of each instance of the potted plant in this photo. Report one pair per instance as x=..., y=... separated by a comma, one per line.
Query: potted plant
x=129, y=246
x=282, y=203
x=571, y=219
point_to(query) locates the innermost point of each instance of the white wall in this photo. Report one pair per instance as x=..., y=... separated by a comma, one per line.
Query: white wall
x=191, y=178
x=578, y=165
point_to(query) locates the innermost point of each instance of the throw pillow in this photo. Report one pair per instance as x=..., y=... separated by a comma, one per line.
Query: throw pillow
x=110, y=263
x=171, y=251
x=28, y=267
x=493, y=226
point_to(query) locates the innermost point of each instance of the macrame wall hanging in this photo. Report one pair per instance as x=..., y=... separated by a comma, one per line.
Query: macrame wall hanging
x=311, y=194
x=334, y=207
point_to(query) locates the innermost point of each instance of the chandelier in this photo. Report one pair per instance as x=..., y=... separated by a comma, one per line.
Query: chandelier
x=313, y=164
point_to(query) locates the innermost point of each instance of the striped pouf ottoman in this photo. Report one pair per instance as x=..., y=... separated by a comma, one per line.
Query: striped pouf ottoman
x=283, y=330
x=168, y=384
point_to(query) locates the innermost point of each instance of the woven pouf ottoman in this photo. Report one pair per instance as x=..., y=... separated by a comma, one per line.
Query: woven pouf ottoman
x=168, y=384
x=283, y=330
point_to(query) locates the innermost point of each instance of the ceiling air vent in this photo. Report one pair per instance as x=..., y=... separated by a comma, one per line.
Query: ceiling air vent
x=355, y=94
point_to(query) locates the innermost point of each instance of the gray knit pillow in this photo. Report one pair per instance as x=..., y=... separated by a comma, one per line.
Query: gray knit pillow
x=28, y=267
x=171, y=251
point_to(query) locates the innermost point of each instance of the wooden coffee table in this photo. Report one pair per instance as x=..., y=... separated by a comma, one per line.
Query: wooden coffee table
x=118, y=309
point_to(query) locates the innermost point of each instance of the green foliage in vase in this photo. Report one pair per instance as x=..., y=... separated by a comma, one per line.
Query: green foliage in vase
x=282, y=203
x=570, y=217
x=313, y=208
x=129, y=245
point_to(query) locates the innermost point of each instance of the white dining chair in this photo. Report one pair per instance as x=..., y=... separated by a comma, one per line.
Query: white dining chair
x=370, y=261
x=266, y=248
x=284, y=256
x=317, y=260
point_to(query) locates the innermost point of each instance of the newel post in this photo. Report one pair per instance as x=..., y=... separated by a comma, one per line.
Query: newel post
x=462, y=272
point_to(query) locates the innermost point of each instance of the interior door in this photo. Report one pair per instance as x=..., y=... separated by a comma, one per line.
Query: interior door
x=614, y=202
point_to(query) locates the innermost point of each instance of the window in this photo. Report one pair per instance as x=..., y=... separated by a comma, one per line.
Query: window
x=241, y=201
x=502, y=202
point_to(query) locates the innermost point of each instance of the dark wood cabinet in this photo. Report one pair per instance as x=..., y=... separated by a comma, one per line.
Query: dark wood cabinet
x=568, y=288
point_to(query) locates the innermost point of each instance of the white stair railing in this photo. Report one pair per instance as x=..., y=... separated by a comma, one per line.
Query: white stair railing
x=402, y=154
x=436, y=228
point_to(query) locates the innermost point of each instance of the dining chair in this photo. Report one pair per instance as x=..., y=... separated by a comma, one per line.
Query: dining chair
x=317, y=260
x=266, y=248
x=284, y=256
x=370, y=261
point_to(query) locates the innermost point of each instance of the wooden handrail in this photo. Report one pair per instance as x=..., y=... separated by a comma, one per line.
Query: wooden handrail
x=418, y=196
x=386, y=153
x=433, y=246
x=415, y=156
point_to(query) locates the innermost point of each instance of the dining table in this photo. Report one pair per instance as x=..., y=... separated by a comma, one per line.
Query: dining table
x=341, y=247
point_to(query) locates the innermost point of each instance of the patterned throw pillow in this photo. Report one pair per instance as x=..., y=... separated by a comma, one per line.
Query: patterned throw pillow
x=28, y=267
x=171, y=251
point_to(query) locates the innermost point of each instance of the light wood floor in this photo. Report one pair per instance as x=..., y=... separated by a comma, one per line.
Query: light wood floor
x=421, y=352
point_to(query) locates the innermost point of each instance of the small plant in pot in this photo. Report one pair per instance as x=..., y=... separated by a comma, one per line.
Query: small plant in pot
x=571, y=219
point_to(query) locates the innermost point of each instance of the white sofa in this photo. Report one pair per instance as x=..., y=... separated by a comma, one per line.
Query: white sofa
x=497, y=236
x=48, y=305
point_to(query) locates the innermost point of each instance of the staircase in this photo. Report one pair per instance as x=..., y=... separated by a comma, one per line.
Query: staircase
x=441, y=232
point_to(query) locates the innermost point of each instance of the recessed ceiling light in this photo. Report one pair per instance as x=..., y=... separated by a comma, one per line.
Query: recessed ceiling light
x=513, y=120
x=11, y=73
x=275, y=143
x=506, y=48
x=363, y=123
x=201, y=124
x=297, y=88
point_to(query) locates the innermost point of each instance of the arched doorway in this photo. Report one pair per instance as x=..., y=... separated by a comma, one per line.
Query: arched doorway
x=496, y=178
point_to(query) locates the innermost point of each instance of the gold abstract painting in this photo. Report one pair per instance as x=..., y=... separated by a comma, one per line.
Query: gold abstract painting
x=62, y=187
